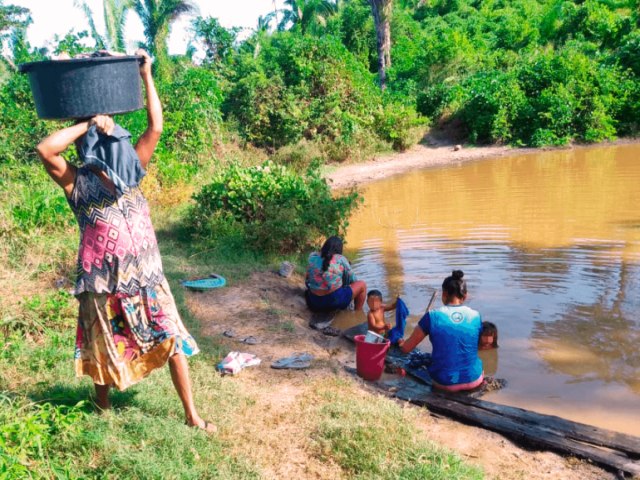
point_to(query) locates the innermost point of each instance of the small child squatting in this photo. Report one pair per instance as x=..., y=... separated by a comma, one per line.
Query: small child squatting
x=375, y=317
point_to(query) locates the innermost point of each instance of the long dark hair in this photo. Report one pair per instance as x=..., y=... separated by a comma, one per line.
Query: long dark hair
x=455, y=286
x=331, y=247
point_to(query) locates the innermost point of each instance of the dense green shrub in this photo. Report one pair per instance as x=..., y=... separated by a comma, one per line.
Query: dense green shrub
x=304, y=87
x=533, y=103
x=523, y=71
x=20, y=128
x=492, y=100
x=271, y=207
x=192, y=122
x=397, y=124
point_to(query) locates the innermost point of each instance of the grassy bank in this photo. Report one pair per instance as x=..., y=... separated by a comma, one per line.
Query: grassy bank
x=50, y=429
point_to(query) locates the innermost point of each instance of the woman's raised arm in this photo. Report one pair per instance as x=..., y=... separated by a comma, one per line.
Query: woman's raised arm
x=149, y=139
x=50, y=150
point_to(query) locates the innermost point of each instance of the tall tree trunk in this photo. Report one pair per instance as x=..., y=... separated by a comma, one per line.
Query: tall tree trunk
x=382, y=15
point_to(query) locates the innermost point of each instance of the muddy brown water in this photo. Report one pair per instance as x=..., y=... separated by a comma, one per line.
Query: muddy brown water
x=550, y=247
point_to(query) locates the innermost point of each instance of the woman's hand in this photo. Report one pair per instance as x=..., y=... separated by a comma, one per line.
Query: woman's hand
x=145, y=66
x=104, y=124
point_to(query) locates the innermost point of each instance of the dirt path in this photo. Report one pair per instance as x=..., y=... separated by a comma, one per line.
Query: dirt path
x=272, y=309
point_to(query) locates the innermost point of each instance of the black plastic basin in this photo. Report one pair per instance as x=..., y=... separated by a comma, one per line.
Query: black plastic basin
x=84, y=87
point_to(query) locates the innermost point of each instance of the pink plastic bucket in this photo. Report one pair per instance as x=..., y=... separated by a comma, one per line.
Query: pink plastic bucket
x=370, y=358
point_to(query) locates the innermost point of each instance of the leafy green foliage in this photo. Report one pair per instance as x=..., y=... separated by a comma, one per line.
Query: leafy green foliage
x=273, y=208
x=21, y=129
x=526, y=72
x=396, y=124
x=28, y=431
x=217, y=41
x=306, y=15
x=72, y=43
x=192, y=122
x=302, y=87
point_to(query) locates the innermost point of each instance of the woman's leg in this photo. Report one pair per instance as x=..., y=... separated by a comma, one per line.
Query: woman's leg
x=359, y=290
x=102, y=396
x=180, y=376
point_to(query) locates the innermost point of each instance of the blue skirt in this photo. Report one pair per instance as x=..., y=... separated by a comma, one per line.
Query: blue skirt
x=336, y=300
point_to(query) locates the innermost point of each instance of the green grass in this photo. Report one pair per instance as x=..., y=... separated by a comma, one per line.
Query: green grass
x=374, y=438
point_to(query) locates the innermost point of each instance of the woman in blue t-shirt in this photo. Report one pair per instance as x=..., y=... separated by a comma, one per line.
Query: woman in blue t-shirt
x=454, y=331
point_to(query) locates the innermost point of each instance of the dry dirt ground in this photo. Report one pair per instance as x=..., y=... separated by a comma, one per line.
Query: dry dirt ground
x=275, y=424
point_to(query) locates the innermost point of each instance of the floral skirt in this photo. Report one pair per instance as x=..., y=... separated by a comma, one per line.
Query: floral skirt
x=121, y=339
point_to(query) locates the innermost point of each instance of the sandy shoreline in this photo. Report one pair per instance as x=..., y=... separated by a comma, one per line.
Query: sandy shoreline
x=433, y=153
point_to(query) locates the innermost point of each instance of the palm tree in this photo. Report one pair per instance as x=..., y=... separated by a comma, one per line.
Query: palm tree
x=382, y=16
x=156, y=17
x=115, y=15
x=101, y=42
x=262, y=31
x=307, y=14
x=264, y=22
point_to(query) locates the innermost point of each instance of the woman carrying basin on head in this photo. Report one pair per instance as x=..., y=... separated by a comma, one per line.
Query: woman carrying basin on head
x=128, y=324
x=454, y=330
x=331, y=283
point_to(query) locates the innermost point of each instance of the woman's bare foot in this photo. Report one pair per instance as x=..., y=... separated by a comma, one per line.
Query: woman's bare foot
x=203, y=425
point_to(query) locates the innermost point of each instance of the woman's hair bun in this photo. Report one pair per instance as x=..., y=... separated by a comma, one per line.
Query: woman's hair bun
x=457, y=274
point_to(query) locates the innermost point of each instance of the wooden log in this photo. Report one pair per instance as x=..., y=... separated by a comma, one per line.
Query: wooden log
x=530, y=433
x=577, y=431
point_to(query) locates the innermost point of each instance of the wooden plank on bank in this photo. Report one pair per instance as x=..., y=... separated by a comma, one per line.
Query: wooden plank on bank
x=574, y=430
x=534, y=434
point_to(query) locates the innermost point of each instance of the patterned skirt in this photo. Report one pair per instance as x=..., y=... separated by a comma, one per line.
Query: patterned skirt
x=121, y=339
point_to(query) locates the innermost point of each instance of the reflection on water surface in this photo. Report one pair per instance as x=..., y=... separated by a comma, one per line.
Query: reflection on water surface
x=550, y=246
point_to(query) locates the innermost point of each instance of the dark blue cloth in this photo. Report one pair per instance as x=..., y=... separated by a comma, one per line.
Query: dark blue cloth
x=336, y=300
x=454, y=331
x=114, y=155
x=418, y=359
x=397, y=332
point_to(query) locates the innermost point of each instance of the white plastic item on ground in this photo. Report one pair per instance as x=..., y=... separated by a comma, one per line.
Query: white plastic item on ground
x=234, y=362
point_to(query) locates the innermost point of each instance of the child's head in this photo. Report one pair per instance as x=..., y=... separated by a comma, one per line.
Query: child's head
x=374, y=299
x=454, y=287
x=488, y=336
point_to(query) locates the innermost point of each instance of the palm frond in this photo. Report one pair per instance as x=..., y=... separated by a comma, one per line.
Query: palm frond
x=100, y=43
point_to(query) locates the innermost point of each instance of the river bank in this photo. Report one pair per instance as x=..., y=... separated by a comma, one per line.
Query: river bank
x=434, y=151
x=272, y=309
x=311, y=422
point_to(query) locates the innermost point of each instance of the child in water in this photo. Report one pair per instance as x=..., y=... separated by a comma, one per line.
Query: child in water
x=375, y=317
x=488, y=336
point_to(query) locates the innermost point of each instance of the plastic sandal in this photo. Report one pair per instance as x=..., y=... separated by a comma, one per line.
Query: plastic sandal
x=297, y=361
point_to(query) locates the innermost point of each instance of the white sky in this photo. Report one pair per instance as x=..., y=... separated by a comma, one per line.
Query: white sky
x=51, y=17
